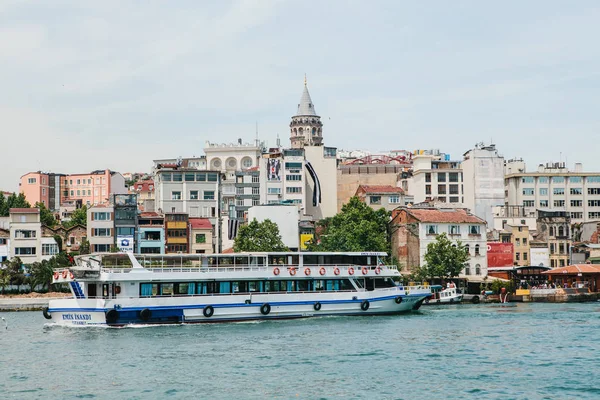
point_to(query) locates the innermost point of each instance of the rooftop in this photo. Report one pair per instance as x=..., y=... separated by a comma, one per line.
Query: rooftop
x=306, y=106
x=380, y=189
x=24, y=211
x=437, y=215
x=200, y=223
x=575, y=269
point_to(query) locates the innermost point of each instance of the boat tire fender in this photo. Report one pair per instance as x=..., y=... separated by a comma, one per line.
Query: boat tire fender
x=145, y=314
x=475, y=300
x=317, y=306
x=365, y=305
x=208, y=311
x=112, y=316
x=398, y=299
x=265, y=309
x=46, y=313
x=451, y=300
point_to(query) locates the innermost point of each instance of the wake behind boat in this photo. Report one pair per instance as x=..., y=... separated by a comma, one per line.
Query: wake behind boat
x=118, y=289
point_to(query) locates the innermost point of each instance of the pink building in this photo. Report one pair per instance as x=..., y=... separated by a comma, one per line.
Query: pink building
x=55, y=190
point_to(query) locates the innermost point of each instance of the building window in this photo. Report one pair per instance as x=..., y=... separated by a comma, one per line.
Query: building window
x=477, y=269
x=593, y=203
x=431, y=229
x=577, y=215
x=524, y=256
x=441, y=189
x=427, y=189
x=49, y=249
x=593, y=191
x=474, y=230
x=101, y=232
x=518, y=256
x=177, y=177
x=100, y=216
x=543, y=203
x=78, y=192
x=576, y=191
x=293, y=177
x=558, y=191
x=453, y=199
x=273, y=190
x=593, y=179
x=375, y=199
x=175, y=195
x=394, y=199
x=454, y=229
x=72, y=193
x=200, y=177
x=517, y=242
x=558, y=179
x=293, y=165
x=453, y=177
x=25, y=251
x=543, y=179
x=200, y=238
x=468, y=249
x=255, y=202
x=79, y=181
x=428, y=177
x=528, y=203
x=576, y=203
x=528, y=192
x=477, y=250
x=101, y=248
x=441, y=177
x=551, y=248
x=290, y=190
x=212, y=177
x=190, y=177
x=31, y=180
x=24, y=234
x=527, y=179
x=543, y=192
x=255, y=191
x=193, y=195
x=209, y=195
x=467, y=271
x=559, y=203
x=524, y=241
x=454, y=189
x=255, y=179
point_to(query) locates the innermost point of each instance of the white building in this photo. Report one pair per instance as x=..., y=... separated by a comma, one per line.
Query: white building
x=555, y=187
x=483, y=180
x=26, y=238
x=285, y=216
x=435, y=177
x=101, y=228
x=413, y=229
x=539, y=254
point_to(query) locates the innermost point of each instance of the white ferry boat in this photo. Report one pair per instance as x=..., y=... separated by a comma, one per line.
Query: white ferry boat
x=118, y=289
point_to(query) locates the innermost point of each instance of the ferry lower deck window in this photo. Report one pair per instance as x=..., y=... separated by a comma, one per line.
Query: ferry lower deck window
x=166, y=289
x=302, y=286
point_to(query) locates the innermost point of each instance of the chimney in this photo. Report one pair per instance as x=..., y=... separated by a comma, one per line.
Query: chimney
x=240, y=141
x=578, y=167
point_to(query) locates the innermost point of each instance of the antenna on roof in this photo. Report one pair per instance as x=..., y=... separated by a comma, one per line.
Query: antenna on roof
x=256, y=140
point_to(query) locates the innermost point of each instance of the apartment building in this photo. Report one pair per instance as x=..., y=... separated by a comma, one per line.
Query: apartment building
x=151, y=233
x=412, y=230
x=553, y=228
x=126, y=221
x=247, y=193
x=4, y=244
x=177, y=233
x=201, y=236
x=435, y=177
x=26, y=238
x=101, y=227
x=519, y=236
x=53, y=190
x=383, y=196
x=554, y=187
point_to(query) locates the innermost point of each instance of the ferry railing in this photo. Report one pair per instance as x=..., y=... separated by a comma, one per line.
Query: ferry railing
x=230, y=268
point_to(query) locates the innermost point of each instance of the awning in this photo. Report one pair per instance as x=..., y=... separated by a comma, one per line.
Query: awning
x=483, y=279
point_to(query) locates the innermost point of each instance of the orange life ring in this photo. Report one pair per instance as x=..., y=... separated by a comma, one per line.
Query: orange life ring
x=292, y=271
x=365, y=270
x=71, y=276
x=336, y=271
x=64, y=273
x=306, y=271
x=350, y=271
x=322, y=271
x=56, y=275
x=276, y=271
x=378, y=270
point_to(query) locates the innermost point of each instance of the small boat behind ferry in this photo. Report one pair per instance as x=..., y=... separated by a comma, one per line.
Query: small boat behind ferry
x=117, y=289
x=439, y=295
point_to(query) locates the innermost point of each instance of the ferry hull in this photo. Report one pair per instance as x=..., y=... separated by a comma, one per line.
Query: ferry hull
x=83, y=312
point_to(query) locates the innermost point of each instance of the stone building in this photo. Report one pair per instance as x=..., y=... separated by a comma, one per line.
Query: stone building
x=383, y=196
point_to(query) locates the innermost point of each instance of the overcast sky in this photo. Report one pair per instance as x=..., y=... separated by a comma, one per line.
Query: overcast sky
x=115, y=84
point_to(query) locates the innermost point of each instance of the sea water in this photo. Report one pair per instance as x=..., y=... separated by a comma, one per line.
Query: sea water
x=517, y=351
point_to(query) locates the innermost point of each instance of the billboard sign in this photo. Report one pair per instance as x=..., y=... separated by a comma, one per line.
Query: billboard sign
x=125, y=243
x=274, y=169
x=500, y=254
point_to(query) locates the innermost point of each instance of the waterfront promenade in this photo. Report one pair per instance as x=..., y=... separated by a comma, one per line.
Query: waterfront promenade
x=33, y=302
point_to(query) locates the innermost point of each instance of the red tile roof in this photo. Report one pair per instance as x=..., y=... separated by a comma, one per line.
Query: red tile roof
x=144, y=186
x=25, y=210
x=444, y=215
x=150, y=214
x=228, y=251
x=377, y=189
x=200, y=223
x=575, y=269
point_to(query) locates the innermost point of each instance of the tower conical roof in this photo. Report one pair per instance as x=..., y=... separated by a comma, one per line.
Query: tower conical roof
x=306, y=106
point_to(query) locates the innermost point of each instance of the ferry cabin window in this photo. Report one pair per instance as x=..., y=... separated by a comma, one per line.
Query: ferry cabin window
x=378, y=283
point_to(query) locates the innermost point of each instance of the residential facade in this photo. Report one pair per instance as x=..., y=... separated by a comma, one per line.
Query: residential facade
x=519, y=237
x=177, y=233
x=413, y=229
x=434, y=177
x=383, y=196
x=201, y=236
x=151, y=233
x=26, y=240
x=101, y=228
x=483, y=180
x=554, y=229
x=126, y=221
x=4, y=244
x=247, y=189
x=555, y=187
x=144, y=191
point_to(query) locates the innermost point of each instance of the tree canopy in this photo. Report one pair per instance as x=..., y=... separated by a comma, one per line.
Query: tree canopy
x=259, y=236
x=79, y=217
x=12, y=201
x=356, y=228
x=444, y=259
x=46, y=216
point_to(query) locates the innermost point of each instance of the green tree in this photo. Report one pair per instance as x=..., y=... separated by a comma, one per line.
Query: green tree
x=46, y=216
x=12, y=201
x=79, y=217
x=356, y=228
x=12, y=272
x=41, y=273
x=84, y=247
x=444, y=259
x=3, y=205
x=259, y=236
x=59, y=241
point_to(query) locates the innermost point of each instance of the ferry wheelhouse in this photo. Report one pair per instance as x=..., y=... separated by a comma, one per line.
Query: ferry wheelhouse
x=118, y=289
